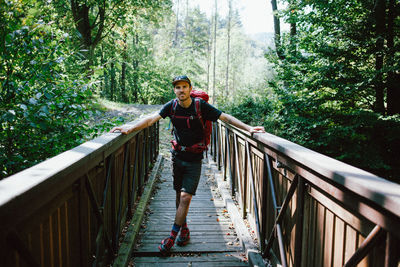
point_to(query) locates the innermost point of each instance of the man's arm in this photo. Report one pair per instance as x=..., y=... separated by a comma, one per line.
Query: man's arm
x=143, y=123
x=232, y=120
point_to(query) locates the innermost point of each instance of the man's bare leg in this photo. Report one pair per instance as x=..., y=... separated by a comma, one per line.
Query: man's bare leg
x=182, y=202
x=178, y=199
x=182, y=207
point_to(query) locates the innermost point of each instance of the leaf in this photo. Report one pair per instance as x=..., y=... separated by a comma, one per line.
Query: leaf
x=47, y=95
x=32, y=101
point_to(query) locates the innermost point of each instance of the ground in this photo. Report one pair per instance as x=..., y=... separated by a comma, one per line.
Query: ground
x=127, y=111
x=131, y=112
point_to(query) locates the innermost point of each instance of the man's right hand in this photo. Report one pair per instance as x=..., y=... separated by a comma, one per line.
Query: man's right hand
x=120, y=129
x=143, y=123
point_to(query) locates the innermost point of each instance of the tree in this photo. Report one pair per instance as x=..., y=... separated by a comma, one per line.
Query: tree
x=229, y=46
x=380, y=29
x=94, y=20
x=335, y=84
x=277, y=29
x=215, y=51
x=393, y=77
x=37, y=99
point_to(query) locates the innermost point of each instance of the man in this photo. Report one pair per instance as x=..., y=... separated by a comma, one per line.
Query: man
x=186, y=162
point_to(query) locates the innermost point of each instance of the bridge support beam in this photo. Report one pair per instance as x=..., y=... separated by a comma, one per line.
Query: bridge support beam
x=375, y=236
x=279, y=219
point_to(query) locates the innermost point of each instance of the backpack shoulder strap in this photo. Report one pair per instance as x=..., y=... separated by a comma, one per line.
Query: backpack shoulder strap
x=173, y=107
x=197, y=108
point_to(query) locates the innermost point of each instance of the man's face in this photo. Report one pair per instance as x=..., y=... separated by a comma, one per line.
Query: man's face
x=182, y=90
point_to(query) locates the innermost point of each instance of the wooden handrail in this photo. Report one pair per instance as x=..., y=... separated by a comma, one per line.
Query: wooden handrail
x=70, y=209
x=340, y=204
x=384, y=193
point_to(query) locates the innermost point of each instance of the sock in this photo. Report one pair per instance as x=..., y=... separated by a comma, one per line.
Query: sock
x=175, y=231
x=184, y=225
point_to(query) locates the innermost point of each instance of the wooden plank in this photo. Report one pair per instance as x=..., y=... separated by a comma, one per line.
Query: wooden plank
x=338, y=242
x=365, y=261
x=72, y=211
x=162, y=235
x=191, y=248
x=306, y=229
x=363, y=226
x=194, y=228
x=193, y=264
x=55, y=239
x=200, y=238
x=83, y=223
x=45, y=243
x=35, y=244
x=215, y=258
x=127, y=244
x=328, y=237
x=319, y=235
x=350, y=242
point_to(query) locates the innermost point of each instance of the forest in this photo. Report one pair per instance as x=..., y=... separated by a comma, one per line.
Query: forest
x=330, y=82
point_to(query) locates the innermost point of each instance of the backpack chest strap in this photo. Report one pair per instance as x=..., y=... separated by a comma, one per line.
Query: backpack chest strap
x=188, y=118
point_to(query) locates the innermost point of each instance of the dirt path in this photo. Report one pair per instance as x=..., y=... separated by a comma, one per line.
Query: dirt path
x=130, y=111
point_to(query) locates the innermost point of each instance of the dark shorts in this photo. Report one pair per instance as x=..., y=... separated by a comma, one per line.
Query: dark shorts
x=186, y=175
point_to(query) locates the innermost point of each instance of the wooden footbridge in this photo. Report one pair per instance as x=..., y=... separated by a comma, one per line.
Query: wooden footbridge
x=262, y=201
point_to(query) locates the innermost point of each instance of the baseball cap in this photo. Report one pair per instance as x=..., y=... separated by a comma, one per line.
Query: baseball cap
x=180, y=78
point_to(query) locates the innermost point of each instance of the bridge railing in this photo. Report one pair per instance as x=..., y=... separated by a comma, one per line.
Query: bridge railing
x=308, y=209
x=71, y=210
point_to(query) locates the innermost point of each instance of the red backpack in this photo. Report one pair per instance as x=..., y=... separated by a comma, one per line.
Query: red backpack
x=207, y=125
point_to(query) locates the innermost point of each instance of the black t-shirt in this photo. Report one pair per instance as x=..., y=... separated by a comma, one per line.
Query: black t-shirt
x=188, y=136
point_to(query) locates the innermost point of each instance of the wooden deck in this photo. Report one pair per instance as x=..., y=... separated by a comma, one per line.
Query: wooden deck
x=214, y=241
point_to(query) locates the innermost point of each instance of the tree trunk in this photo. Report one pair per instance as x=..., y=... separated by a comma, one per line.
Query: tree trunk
x=393, y=87
x=215, y=53
x=135, y=66
x=277, y=30
x=89, y=38
x=103, y=84
x=293, y=27
x=175, y=43
x=379, y=10
x=123, y=71
x=228, y=49
x=112, y=81
x=209, y=47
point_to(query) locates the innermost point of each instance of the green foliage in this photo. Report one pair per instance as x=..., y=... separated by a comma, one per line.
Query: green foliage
x=42, y=109
x=326, y=81
x=49, y=73
x=253, y=111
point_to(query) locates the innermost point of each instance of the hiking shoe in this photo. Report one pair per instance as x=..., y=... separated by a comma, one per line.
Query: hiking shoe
x=184, y=237
x=166, y=245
